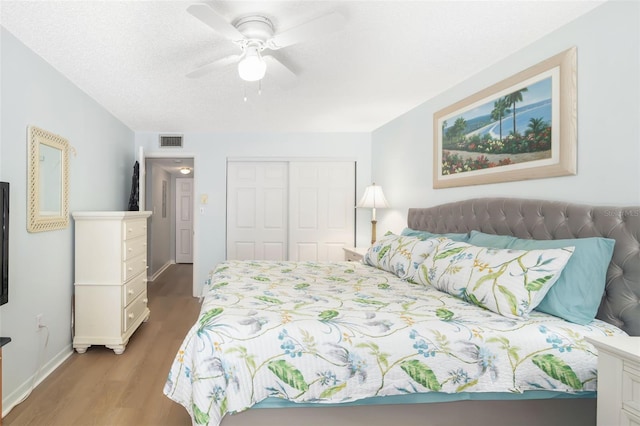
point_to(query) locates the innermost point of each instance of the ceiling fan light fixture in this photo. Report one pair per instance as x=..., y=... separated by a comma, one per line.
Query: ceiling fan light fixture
x=252, y=67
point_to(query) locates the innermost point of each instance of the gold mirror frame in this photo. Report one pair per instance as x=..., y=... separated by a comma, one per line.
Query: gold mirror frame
x=37, y=220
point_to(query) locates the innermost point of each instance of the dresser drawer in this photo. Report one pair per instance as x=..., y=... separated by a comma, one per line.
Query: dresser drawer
x=631, y=387
x=133, y=267
x=134, y=311
x=134, y=247
x=628, y=419
x=133, y=288
x=134, y=228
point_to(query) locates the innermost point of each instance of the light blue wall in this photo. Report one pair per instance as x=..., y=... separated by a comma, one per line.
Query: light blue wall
x=608, y=49
x=41, y=264
x=210, y=153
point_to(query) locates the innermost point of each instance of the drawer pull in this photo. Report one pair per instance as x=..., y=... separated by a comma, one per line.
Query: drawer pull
x=145, y=300
x=130, y=291
x=131, y=316
x=129, y=269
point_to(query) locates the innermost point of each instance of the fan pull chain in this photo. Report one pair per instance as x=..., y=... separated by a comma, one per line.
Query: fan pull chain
x=259, y=87
x=244, y=88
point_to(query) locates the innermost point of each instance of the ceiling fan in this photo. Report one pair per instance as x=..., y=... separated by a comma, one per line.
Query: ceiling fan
x=256, y=33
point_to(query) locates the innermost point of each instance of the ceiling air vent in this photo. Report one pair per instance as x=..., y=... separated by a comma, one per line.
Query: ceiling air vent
x=170, y=141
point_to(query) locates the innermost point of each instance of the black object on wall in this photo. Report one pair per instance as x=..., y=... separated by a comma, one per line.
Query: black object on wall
x=135, y=194
x=4, y=242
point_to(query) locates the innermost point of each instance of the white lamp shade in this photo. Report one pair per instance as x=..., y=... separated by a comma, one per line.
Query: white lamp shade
x=252, y=67
x=373, y=198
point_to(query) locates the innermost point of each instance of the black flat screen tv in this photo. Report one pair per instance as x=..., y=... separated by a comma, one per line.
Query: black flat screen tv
x=4, y=242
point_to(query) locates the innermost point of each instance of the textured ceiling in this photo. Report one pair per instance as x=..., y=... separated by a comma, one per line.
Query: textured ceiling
x=132, y=58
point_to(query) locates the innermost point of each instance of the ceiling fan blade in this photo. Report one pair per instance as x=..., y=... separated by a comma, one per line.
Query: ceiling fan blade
x=281, y=74
x=211, y=18
x=323, y=25
x=212, y=66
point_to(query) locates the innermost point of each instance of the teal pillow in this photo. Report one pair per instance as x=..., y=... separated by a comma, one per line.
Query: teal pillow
x=424, y=235
x=578, y=292
x=489, y=240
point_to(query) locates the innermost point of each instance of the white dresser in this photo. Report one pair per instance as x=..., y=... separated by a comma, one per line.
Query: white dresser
x=618, y=380
x=110, y=278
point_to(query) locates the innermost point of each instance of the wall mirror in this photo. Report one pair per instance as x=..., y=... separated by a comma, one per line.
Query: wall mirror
x=48, y=181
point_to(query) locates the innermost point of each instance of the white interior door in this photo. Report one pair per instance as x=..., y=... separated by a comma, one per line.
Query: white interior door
x=184, y=220
x=321, y=212
x=257, y=210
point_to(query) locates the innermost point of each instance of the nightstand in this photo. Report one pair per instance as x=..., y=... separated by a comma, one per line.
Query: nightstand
x=618, y=380
x=354, y=254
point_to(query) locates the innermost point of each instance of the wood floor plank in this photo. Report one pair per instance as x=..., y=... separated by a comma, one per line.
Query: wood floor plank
x=100, y=388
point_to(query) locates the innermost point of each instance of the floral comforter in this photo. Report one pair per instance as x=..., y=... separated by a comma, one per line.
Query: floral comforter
x=342, y=331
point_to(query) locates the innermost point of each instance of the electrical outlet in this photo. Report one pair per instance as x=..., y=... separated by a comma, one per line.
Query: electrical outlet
x=39, y=321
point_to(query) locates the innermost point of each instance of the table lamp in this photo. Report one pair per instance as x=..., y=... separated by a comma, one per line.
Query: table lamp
x=373, y=199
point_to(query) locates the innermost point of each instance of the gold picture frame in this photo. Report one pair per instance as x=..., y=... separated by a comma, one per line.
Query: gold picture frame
x=524, y=127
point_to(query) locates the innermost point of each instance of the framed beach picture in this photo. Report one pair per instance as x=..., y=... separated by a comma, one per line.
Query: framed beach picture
x=524, y=127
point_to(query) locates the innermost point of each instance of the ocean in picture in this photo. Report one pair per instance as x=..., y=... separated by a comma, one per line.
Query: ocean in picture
x=524, y=114
x=535, y=103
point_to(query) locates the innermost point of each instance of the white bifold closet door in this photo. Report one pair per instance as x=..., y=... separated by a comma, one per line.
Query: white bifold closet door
x=296, y=210
x=321, y=209
x=257, y=210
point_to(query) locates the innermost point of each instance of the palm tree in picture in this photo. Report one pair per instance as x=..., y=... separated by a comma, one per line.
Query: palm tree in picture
x=500, y=109
x=455, y=134
x=512, y=99
x=536, y=126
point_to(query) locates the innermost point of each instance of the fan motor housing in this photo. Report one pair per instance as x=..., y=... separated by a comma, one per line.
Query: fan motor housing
x=255, y=27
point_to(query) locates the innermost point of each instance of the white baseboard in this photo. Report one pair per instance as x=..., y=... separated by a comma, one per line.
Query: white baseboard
x=16, y=397
x=161, y=270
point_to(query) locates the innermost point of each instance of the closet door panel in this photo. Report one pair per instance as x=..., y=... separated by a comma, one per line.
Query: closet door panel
x=321, y=209
x=257, y=210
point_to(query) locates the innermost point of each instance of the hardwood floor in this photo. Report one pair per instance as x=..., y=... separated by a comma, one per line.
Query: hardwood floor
x=102, y=388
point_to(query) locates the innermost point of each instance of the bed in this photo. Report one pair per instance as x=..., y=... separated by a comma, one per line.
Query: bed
x=403, y=330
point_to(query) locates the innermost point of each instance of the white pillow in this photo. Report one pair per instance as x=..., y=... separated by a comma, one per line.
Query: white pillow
x=509, y=282
x=399, y=254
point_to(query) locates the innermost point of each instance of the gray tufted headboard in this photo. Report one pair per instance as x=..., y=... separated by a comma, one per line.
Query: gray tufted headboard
x=545, y=220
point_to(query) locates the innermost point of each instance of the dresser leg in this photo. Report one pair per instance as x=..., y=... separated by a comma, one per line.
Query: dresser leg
x=118, y=349
x=81, y=349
